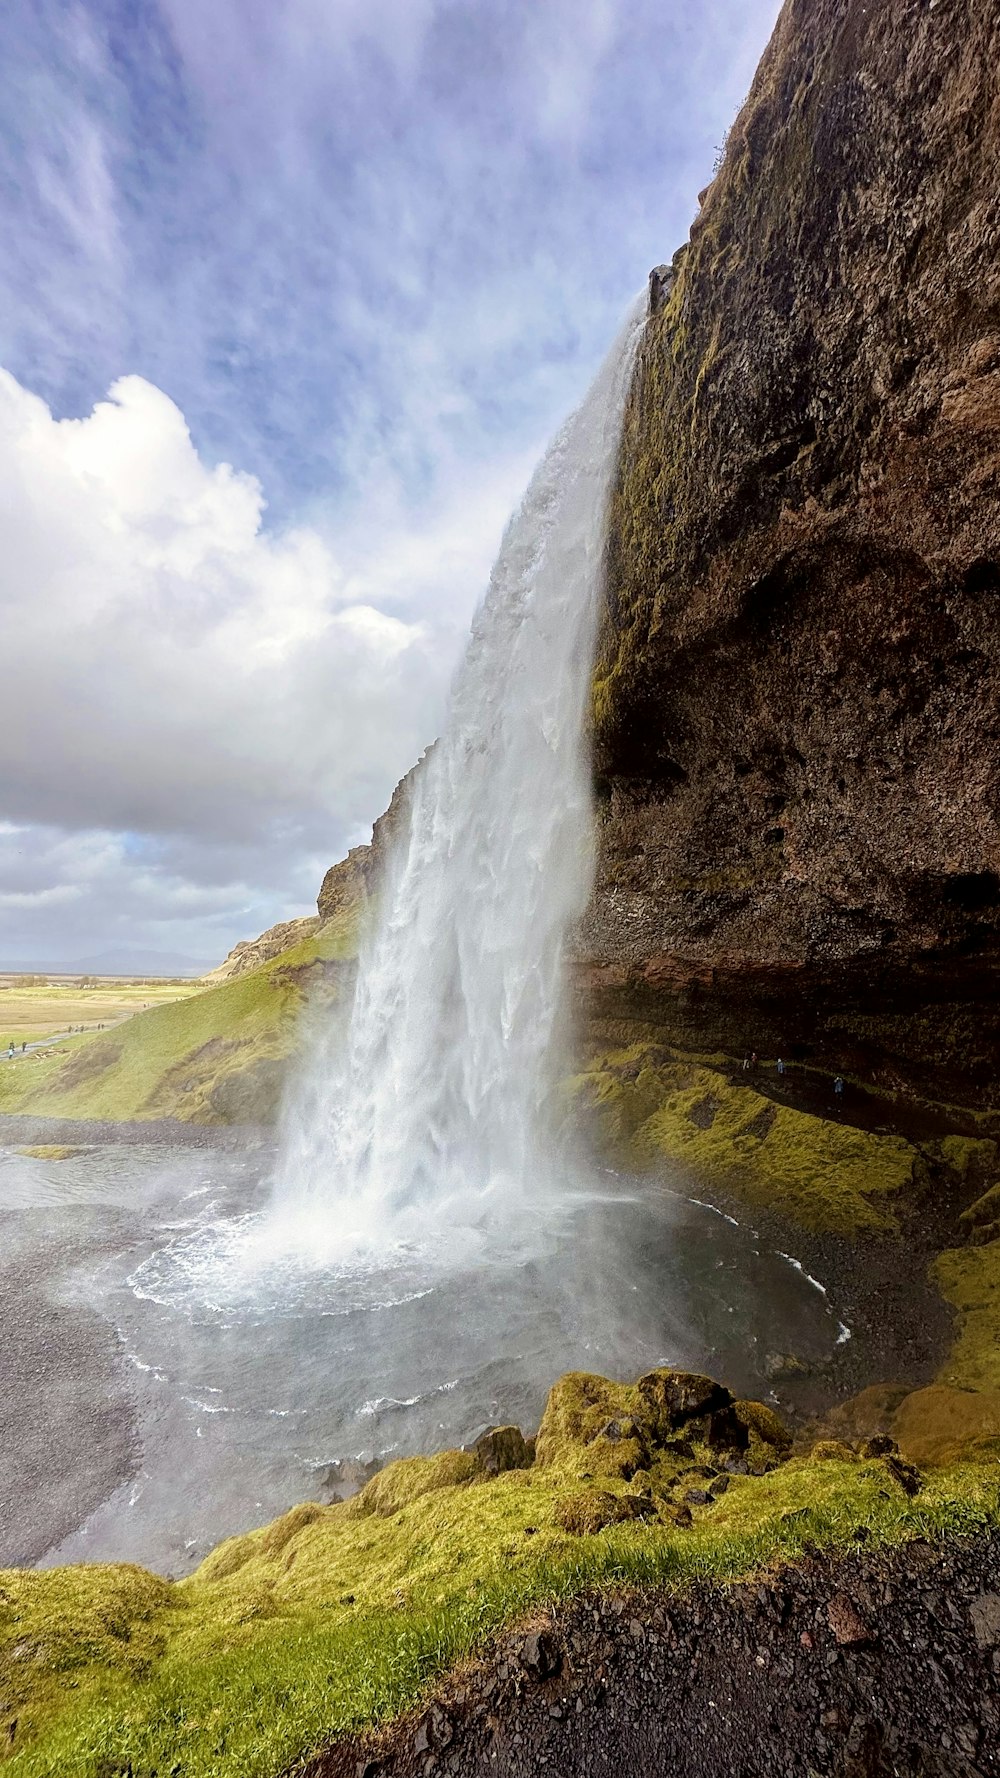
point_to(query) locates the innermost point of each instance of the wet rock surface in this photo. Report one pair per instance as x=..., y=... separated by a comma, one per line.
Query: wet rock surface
x=67, y=1421
x=868, y=1666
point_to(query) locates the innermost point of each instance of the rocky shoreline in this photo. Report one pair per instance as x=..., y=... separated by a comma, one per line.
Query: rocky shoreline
x=862, y=1666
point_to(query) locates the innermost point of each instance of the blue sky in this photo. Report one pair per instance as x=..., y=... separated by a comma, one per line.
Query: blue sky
x=344, y=266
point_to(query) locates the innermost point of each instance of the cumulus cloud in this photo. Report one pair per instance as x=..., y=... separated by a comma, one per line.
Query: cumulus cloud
x=229, y=702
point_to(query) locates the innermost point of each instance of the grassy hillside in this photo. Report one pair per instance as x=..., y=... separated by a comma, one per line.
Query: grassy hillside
x=335, y=1616
x=216, y=1057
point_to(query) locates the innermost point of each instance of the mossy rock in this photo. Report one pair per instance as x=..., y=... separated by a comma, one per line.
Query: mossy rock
x=831, y=1450
x=764, y=1427
x=500, y=1448
x=985, y=1210
x=672, y=1398
x=650, y=1109
x=579, y=1408
x=940, y=1425
x=584, y=1514
x=412, y=1477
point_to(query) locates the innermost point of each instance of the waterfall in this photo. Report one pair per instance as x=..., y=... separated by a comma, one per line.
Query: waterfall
x=436, y=1100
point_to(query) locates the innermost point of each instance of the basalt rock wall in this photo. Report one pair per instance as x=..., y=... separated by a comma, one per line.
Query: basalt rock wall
x=797, y=693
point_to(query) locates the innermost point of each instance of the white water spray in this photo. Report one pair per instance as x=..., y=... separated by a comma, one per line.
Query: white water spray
x=437, y=1095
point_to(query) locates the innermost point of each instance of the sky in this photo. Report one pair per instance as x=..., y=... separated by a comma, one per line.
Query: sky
x=293, y=294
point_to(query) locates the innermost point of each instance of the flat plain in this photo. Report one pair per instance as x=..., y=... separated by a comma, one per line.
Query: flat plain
x=33, y=1008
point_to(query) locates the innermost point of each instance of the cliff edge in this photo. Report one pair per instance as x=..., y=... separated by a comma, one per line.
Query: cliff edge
x=797, y=720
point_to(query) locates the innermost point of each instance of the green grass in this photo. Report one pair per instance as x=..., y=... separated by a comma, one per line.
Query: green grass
x=650, y=1107
x=336, y=1617
x=215, y=1057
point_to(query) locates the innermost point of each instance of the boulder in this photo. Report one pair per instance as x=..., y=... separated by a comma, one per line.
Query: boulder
x=503, y=1447
x=673, y=1398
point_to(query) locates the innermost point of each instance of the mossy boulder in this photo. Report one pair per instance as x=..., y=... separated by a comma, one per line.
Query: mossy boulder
x=940, y=1425
x=586, y=1513
x=412, y=1477
x=831, y=1450
x=670, y=1425
x=672, y=1398
x=500, y=1448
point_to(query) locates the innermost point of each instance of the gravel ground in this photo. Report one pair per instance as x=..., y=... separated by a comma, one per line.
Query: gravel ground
x=867, y=1666
x=67, y=1422
x=22, y=1131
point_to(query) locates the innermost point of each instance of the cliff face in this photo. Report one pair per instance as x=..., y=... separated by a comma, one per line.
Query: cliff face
x=251, y=953
x=797, y=695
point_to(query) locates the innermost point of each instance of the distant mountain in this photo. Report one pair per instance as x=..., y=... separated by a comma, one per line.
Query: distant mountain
x=124, y=962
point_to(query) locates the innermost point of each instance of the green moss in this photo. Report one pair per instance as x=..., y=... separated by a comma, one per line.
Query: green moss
x=969, y=1157
x=831, y=1450
x=50, y=1151
x=943, y=1424
x=969, y=1278
x=337, y=1616
x=413, y=1477
x=578, y=1407
x=985, y=1212
x=187, y=1059
x=824, y=1174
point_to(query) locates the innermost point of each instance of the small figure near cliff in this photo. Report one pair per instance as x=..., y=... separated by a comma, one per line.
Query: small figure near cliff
x=838, y=1086
x=780, y=1065
x=746, y=1063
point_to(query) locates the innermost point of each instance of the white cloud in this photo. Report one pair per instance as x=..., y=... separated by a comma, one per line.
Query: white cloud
x=178, y=675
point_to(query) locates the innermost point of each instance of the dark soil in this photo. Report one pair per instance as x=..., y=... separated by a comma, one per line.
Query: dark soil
x=865, y=1666
x=901, y=1327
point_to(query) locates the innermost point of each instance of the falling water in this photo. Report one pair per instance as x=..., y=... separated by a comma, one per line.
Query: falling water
x=439, y=1093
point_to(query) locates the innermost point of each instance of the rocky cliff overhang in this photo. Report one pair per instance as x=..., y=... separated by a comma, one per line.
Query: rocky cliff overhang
x=797, y=696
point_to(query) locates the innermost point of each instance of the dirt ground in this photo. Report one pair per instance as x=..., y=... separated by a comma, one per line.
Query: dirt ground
x=866, y=1666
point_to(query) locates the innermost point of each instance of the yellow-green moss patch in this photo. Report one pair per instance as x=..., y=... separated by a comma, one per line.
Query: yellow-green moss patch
x=969, y=1277
x=50, y=1151
x=649, y=1109
x=941, y=1424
